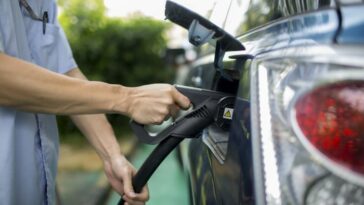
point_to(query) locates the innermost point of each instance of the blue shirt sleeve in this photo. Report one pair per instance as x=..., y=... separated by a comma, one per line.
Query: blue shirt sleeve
x=1, y=43
x=66, y=60
x=2, y=47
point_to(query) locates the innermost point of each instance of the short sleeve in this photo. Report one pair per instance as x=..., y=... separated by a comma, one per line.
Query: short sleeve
x=66, y=60
x=1, y=43
x=2, y=47
x=51, y=49
x=65, y=55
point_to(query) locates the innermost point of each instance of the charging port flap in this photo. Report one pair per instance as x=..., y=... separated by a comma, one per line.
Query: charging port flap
x=202, y=31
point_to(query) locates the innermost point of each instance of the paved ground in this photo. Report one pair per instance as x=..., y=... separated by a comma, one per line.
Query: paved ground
x=167, y=186
x=80, y=187
x=80, y=179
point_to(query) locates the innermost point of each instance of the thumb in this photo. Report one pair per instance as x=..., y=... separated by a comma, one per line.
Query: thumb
x=180, y=99
x=128, y=187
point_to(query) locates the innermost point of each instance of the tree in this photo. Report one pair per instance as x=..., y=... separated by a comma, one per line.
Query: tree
x=124, y=51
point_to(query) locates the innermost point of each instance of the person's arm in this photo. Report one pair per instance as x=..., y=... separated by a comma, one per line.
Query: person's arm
x=101, y=136
x=28, y=87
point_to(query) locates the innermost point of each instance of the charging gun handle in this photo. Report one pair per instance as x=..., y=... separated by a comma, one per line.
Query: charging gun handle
x=205, y=104
x=187, y=126
x=142, y=134
x=152, y=162
x=184, y=127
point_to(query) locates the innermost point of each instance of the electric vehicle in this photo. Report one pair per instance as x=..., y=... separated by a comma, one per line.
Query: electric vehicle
x=296, y=134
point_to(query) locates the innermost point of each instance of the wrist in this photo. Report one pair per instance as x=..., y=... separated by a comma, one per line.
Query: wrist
x=110, y=153
x=121, y=100
x=113, y=159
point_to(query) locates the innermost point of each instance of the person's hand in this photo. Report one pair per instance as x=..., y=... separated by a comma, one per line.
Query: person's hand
x=152, y=104
x=119, y=173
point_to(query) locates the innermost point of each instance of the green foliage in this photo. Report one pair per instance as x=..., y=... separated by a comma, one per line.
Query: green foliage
x=121, y=51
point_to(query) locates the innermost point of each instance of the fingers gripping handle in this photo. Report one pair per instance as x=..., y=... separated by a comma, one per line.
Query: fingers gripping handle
x=151, y=163
x=205, y=103
x=184, y=127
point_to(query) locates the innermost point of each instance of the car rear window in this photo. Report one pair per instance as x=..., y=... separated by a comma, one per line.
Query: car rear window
x=245, y=15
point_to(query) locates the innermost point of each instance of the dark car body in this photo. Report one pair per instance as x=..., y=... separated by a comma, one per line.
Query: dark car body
x=236, y=165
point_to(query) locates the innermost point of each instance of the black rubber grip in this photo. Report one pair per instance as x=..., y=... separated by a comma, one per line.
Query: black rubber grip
x=184, y=127
x=152, y=162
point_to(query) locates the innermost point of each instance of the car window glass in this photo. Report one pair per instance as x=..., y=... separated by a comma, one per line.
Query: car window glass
x=236, y=15
x=245, y=15
x=219, y=12
x=202, y=7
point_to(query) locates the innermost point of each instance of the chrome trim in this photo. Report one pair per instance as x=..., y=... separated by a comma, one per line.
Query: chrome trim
x=331, y=165
x=271, y=182
x=256, y=142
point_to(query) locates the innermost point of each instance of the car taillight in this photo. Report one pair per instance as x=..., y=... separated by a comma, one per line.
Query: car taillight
x=331, y=118
x=308, y=128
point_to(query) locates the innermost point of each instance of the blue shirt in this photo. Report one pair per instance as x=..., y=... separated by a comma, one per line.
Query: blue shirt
x=29, y=141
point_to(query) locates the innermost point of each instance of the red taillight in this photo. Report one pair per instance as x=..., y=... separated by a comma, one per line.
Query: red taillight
x=331, y=118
